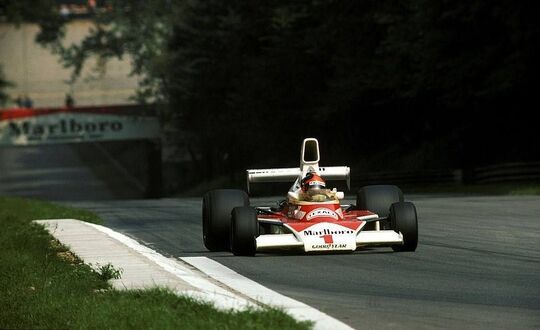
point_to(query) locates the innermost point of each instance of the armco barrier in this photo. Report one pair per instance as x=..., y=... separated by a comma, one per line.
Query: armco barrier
x=405, y=177
x=507, y=172
x=499, y=173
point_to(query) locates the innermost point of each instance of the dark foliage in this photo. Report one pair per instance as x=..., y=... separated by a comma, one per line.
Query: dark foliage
x=444, y=83
x=454, y=78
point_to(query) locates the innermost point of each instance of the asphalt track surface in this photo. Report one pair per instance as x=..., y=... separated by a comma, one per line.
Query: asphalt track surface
x=52, y=172
x=477, y=264
x=57, y=172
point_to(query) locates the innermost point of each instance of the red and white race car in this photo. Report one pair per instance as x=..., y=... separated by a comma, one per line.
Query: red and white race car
x=311, y=219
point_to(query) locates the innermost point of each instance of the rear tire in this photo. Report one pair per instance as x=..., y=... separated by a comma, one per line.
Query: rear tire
x=217, y=207
x=404, y=220
x=244, y=231
x=378, y=198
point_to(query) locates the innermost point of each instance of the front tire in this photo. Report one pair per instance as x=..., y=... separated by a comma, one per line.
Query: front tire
x=378, y=198
x=404, y=220
x=244, y=231
x=217, y=207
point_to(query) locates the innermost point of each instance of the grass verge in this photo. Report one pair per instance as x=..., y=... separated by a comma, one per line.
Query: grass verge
x=43, y=286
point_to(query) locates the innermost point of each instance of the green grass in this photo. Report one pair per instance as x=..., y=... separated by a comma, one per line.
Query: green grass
x=43, y=286
x=25, y=210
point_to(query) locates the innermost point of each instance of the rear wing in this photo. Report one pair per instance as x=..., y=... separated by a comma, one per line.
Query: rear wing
x=292, y=173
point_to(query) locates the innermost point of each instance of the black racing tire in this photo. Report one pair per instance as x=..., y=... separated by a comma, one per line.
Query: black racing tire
x=378, y=198
x=216, y=216
x=244, y=231
x=404, y=220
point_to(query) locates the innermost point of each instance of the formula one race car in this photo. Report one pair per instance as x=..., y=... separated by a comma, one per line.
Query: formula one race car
x=312, y=218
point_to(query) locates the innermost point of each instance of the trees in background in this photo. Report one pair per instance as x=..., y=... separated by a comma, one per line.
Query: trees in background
x=447, y=83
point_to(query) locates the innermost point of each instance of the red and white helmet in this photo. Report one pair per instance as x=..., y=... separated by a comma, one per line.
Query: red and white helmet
x=312, y=182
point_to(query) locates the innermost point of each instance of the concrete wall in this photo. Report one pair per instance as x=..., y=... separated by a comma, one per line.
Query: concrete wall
x=36, y=72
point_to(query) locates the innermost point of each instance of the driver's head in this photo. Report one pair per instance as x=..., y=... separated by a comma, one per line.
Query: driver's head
x=312, y=183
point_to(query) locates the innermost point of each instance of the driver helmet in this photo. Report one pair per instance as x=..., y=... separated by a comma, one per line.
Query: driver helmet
x=312, y=182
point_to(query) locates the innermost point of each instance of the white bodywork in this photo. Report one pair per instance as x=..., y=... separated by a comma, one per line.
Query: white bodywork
x=322, y=236
x=309, y=161
x=347, y=242
x=292, y=173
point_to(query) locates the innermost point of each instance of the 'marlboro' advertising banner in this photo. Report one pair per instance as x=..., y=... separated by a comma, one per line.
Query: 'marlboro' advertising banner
x=67, y=125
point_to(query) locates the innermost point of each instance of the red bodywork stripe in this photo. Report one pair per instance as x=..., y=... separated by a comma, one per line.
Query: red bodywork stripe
x=17, y=113
x=303, y=226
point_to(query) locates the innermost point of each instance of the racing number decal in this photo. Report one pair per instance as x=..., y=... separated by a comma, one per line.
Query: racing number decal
x=327, y=239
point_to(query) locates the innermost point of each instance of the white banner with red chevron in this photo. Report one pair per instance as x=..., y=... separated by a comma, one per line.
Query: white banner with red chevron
x=49, y=126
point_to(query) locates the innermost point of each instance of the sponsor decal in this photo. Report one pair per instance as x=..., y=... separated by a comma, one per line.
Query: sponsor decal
x=321, y=212
x=325, y=236
x=37, y=127
x=325, y=231
x=328, y=237
x=71, y=126
x=329, y=247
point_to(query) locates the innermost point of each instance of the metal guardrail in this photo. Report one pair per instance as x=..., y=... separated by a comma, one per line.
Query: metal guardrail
x=507, y=172
x=499, y=173
x=406, y=177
